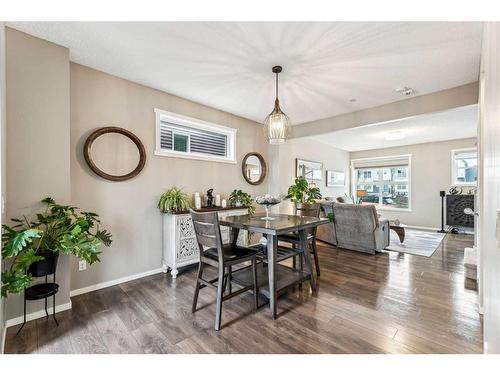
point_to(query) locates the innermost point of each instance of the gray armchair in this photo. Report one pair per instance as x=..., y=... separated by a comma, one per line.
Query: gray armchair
x=356, y=227
x=326, y=233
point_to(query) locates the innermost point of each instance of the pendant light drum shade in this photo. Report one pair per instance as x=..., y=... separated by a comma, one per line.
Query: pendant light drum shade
x=277, y=123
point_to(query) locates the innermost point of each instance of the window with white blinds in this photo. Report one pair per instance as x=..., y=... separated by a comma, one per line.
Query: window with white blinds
x=181, y=136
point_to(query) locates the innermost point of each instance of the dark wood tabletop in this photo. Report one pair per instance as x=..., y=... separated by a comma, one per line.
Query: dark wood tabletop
x=280, y=225
x=279, y=278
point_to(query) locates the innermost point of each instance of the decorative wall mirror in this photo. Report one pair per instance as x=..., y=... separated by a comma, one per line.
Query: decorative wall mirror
x=254, y=168
x=110, y=157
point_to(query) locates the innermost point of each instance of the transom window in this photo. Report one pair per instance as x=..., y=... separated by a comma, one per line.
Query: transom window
x=464, y=167
x=182, y=136
x=384, y=182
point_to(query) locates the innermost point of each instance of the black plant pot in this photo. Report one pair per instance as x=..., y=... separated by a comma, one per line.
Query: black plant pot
x=46, y=266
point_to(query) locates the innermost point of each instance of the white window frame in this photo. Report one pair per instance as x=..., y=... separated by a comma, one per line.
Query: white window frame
x=454, y=181
x=174, y=118
x=381, y=159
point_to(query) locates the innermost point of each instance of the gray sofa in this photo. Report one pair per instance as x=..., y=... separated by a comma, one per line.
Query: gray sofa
x=356, y=227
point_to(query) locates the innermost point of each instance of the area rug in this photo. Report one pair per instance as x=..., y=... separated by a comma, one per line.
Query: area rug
x=417, y=242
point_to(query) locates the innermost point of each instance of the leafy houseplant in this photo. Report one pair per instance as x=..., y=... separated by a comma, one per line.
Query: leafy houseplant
x=239, y=198
x=58, y=229
x=301, y=192
x=174, y=200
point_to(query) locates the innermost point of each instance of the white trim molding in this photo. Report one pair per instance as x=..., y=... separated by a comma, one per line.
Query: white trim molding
x=109, y=283
x=4, y=335
x=36, y=315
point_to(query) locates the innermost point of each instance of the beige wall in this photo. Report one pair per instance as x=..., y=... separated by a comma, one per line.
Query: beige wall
x=310, y=149
x=38, y=141
x=128, y=209
x=430, y=173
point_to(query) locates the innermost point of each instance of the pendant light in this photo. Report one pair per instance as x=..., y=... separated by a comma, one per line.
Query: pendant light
x=277, y=124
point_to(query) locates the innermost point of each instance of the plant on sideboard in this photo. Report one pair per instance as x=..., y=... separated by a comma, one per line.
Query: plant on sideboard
x=239, y=198
x=58, y=229
x=301, y=192
x=174, y=200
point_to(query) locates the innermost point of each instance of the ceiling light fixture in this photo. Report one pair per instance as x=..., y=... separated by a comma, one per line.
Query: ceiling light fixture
x=395, y=135
x=406, y=91
x=277, y=124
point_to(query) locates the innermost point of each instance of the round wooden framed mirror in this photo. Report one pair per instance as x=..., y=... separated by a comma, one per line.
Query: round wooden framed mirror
x=254, y=168
x=118, y=153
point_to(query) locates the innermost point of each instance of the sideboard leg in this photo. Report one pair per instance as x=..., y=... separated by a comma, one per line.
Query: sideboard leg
x=164, y=268
x=174, y=273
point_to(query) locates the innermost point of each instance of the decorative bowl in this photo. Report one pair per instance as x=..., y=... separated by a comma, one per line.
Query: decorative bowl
x=267, y=201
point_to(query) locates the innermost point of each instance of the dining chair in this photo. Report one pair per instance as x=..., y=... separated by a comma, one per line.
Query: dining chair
x=222, y=256
x=293, y=238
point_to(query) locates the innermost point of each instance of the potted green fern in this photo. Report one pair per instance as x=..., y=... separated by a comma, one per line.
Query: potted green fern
x=239, y=198
x=57, y=229
x=174, y=200
x=301, y=193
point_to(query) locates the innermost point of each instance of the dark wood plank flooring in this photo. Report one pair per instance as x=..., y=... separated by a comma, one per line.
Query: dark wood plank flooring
x=386, y=303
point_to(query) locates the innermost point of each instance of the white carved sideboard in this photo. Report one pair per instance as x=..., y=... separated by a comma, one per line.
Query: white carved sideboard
x=180, y=247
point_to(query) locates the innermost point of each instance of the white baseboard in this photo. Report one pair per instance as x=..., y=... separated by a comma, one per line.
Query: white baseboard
x=4, y=333
x=36, y=315
x=106, y=284
x=423, y=228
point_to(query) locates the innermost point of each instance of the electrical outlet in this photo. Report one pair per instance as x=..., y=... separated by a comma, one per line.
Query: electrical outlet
x=82, y=265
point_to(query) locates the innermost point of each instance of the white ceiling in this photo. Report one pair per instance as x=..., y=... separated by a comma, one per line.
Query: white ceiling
x=434, y=127
x=228, y=65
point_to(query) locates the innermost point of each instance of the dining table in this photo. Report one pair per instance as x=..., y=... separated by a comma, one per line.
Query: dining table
x=278, y=278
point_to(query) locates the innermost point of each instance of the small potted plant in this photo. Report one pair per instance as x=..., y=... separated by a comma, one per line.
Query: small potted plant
x=239, y=198
x=32, y=245
x=174, y=200
x=301, y=193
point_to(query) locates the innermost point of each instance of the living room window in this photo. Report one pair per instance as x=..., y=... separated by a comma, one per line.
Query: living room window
x=384, y=182
x=186, y=137
x=464, y=167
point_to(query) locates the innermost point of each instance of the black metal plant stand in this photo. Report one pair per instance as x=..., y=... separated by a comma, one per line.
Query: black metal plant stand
x=42, y=268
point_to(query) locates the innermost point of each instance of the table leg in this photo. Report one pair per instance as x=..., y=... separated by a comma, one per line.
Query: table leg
x=234, y=235
x=272, y=244
x=400, y=231
x=307, y=257
x=401, y=234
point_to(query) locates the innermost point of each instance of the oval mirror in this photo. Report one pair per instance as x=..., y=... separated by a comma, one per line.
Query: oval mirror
x=114, y=153
x=254, y=168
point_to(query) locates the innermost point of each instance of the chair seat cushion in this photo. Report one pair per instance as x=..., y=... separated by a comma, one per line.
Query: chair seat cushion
x=230, y=252
x=292, y=237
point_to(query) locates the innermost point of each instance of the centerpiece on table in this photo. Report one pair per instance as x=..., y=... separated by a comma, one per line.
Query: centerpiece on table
x=267, y=201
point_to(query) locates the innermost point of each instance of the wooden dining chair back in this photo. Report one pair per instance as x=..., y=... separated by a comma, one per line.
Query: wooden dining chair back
x=207, y=230
x=308, y=209
x=222, y=256
x=312, y=210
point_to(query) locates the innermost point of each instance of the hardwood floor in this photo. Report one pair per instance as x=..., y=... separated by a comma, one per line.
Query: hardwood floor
x=386, y=303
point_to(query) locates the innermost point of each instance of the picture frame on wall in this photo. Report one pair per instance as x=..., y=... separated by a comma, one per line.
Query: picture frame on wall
x=335, y=178
x=310, y=170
